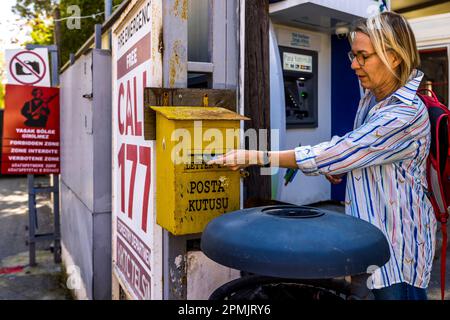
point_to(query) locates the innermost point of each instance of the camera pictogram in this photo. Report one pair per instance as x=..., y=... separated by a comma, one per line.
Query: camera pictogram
x=21, y=69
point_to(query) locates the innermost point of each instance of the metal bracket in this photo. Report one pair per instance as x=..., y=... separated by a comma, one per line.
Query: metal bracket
x=88, y=96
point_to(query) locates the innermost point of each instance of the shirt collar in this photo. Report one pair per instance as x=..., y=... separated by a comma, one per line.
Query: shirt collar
x=408, y=92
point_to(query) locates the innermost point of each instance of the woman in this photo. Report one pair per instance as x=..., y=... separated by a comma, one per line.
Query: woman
x=384, y=157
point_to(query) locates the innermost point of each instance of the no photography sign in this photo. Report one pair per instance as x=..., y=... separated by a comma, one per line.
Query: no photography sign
x=28, y=67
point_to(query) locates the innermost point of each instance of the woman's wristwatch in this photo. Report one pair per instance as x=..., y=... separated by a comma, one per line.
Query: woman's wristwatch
x=266, y=159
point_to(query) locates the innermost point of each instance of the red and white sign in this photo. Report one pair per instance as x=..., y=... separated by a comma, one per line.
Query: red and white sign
x=28, y=67
x=31, y=137
x=136, y=261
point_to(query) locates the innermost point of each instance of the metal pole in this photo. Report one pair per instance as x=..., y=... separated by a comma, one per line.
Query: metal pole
x=55, y=67
x=31, y=221
x=54, y=180
x=57, y=32
x=57, y=231
x=108, y=9
x=98, y=36
x=108, y=12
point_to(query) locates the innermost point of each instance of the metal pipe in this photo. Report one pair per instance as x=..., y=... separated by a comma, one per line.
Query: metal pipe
x=108, y=12
x=108, y=9
x=55, y=66
x=98, y=36
x=31, y=221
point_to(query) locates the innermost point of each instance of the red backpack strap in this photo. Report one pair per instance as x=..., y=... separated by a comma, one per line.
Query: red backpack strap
x=425, y=93
x=443, y=122
x=438, y=171
x=446, y=175
x=443, y=215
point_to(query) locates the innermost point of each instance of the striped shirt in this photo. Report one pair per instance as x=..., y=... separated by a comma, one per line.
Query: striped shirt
x=385, y=161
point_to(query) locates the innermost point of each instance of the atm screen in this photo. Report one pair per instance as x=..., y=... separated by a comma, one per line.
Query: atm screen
x=297, y=62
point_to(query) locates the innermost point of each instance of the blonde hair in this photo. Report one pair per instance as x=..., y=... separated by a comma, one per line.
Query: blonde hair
x=389, y=31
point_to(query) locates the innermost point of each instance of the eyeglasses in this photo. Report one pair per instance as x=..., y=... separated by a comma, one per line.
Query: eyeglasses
x=360, y=57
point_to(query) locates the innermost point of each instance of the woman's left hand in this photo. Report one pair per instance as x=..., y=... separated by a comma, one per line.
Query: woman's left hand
x=337, y=179
x=237, y=159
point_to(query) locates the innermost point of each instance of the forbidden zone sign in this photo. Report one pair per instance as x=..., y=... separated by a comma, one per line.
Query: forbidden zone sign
x=31, y=137
x=28, y=67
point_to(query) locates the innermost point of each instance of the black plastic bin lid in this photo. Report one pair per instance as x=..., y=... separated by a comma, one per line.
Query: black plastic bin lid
x=294, y=242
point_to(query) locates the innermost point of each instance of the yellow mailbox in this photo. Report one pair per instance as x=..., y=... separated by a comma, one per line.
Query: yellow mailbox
x=190, y=193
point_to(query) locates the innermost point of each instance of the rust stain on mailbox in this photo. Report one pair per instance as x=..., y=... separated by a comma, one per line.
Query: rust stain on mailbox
x=190, y=193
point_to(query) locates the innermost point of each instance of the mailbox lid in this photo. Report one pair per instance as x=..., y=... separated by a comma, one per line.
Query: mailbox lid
x=198, y=113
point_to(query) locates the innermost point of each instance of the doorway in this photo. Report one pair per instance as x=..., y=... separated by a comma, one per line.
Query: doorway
x=434, y=63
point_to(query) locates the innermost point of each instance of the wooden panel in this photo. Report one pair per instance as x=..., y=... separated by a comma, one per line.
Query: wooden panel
x=154, y=97
x=256, y=91
x=199, y=113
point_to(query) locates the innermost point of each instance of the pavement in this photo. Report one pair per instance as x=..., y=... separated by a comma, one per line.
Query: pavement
x=19, y=281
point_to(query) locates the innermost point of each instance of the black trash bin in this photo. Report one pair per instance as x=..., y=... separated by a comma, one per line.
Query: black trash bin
x=292, y=252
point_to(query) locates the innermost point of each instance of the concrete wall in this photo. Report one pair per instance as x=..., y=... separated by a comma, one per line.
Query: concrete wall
x=86, y=172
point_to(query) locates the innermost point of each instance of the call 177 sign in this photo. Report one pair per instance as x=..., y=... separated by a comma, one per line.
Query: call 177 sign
x=31, y=137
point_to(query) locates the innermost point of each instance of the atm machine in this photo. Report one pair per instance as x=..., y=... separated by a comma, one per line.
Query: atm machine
x=300, y=87
x=314, y=93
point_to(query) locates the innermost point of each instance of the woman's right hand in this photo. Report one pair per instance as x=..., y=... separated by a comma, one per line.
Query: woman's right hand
x=334, y=179
x=237, y=159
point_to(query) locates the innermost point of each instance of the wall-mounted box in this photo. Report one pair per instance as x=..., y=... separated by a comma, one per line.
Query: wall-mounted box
x=190, y=193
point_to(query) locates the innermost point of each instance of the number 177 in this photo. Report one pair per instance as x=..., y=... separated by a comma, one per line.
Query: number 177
x=133, y=154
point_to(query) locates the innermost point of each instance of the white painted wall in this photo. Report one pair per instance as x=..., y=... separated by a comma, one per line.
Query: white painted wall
x=79, y=289
x=204, y=276
x=306, y=190
x=432, y=30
